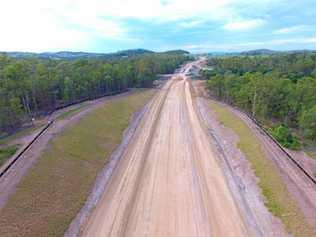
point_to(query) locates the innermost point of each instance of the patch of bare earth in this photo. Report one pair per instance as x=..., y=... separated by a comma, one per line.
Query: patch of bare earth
x=307, y=162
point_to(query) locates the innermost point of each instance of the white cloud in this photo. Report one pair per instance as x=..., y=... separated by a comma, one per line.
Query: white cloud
x=205, y=47
x=41, y=25
x=304, y=40
x=157, y=10
x=171, y=10
x=244, y=24
x=293, y=29
x=190, y=24
x=32, y=30
x=52, y=25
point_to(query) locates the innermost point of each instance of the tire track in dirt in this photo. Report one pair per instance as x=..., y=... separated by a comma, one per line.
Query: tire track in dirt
x=168, y=182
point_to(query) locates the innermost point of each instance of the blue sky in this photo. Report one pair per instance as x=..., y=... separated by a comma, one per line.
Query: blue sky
x=194, y=25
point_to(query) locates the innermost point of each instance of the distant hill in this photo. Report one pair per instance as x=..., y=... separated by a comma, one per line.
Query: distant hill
x=245, y=53
x=75, y=55
x=220, y=54
x=259, y=52
x=68, y=55
x=19, y=54
x=302, y=51
x=178, y=51
x=132, y=52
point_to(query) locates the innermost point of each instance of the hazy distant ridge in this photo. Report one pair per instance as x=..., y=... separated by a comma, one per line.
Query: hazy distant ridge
x=257, y=52
x=76, y=55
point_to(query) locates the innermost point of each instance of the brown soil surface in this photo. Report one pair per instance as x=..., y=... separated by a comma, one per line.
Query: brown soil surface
x=169, y=181
x=240, y=176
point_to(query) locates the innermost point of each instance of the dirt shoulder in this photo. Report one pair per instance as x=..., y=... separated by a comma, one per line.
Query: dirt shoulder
x=239, y=174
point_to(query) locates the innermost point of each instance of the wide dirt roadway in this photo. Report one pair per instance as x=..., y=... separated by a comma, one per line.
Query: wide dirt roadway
x=168, y=183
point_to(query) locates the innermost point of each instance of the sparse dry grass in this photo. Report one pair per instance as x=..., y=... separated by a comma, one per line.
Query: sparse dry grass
x=24, y=132
x=278, y=200
x=51, y=194
x=71, y=112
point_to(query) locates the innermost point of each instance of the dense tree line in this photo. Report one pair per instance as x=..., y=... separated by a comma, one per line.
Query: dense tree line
x=290, y=65
x=279, y=90
x=33, y=86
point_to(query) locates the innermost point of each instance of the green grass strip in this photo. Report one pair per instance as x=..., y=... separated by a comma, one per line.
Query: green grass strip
x=52, y=193
x=70, y=112
x=7, y=152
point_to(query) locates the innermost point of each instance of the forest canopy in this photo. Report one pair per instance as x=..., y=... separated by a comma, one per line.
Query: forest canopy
x=33, y=86
x=277, y=89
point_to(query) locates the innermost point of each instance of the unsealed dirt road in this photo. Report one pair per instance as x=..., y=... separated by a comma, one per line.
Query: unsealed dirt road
x=168, y=182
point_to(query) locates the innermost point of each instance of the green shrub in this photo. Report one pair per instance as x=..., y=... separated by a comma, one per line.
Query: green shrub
x=6, y=153
x=285, y=137
x=307, y=123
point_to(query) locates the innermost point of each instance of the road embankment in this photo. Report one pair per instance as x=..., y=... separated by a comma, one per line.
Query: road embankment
x=66, y=161
x=288, y=194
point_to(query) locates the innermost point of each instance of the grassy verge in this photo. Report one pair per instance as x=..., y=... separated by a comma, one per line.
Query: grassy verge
x=52, y=193
x=7, y=152
x=278, y=200
x=19, y=134
x=70, y=112
x=7, y=149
